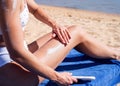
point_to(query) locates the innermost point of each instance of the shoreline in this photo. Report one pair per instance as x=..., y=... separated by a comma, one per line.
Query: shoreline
x=97, y=24
x=78, y=9
x=107, y=6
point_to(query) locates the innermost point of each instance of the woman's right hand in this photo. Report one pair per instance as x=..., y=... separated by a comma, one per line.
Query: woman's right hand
x=65, y=79
x=62, y=33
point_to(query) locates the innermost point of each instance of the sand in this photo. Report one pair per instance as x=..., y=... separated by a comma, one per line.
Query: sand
x=102, y=26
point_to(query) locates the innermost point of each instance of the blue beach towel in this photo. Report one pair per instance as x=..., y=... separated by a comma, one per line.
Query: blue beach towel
x=107, y=72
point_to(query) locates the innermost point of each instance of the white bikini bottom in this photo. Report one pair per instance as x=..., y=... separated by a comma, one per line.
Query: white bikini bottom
x=4, y=56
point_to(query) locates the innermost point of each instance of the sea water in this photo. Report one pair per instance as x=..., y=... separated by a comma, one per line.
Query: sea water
x=107, y=6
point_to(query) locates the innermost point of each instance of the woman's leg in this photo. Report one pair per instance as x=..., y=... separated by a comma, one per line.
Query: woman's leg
x=53, y=48
x=96, y=49
x=52, y=52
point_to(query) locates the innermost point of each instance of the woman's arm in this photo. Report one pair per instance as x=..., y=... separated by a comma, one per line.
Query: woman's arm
x=40, y=14
x=60, y=31
x=14, y=39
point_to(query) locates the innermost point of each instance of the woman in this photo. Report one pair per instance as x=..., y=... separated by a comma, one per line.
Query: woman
x=28, y=65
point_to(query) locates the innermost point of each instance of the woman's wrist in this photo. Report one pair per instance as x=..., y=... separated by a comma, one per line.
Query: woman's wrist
x=56, y=77
x=52, y=23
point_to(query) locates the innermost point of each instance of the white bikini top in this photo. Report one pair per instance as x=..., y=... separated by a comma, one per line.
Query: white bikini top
x=24, y=17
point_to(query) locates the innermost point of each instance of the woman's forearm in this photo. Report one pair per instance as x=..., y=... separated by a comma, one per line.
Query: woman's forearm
x=42, y=16
x=31, y=63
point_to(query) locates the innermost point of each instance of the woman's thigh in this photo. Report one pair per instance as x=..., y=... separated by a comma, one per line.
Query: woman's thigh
x=52, y=51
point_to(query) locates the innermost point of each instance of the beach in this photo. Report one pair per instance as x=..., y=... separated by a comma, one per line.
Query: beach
x=102, y=26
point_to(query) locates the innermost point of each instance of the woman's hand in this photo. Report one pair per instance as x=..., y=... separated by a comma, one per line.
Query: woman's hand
x=62, y=33
x=65, y=79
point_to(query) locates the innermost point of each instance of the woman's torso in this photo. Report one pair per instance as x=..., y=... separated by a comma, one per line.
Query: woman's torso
x=24, y=16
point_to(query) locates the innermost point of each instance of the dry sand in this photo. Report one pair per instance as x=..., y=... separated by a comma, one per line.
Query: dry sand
x=104, y=27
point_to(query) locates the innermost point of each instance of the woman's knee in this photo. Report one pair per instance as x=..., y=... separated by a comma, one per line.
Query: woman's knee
x=76, y=30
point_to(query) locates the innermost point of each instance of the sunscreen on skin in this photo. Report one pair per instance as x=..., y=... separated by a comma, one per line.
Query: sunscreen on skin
x=52, y=50
x=14, y=4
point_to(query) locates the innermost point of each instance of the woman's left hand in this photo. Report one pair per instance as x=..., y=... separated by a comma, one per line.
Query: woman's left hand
x=62, y=33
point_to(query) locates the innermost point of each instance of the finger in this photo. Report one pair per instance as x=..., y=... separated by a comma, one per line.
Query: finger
x=53, y=34
x=67, y=36
x=68, y=33
x=74, y=79
x=58, y=33
x=61, y=36
x=70, y=78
